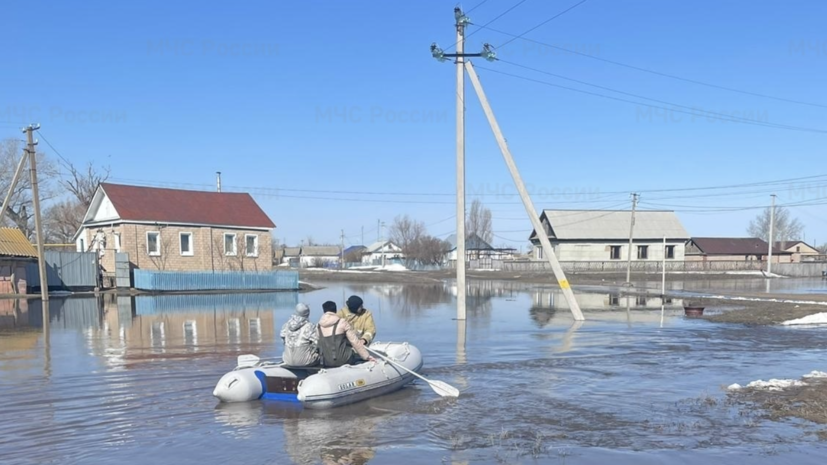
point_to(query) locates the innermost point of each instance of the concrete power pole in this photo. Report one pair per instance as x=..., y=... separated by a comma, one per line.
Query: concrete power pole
x=38, y=224
x=772, y=223
x=529, y=206
x=342, y=252
x=461, y=21
x=631, y=235
x=218, y=181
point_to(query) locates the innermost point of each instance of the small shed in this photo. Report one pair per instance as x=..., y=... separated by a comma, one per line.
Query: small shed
x=15, y=252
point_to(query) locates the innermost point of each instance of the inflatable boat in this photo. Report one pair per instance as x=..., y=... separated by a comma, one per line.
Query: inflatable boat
x=320, y=388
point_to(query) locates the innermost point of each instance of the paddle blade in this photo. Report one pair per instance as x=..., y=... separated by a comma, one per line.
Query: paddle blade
x=444, y=389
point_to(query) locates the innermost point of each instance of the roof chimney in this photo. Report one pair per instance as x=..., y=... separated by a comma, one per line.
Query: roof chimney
x=218, y=180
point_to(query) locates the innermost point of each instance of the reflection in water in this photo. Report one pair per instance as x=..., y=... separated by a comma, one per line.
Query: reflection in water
x=129, y=380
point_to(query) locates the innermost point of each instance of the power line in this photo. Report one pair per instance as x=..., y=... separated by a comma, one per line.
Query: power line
x=541, y=24
x=704, y=112
x=654, y=72
x=746, y=121
x=478, y=5
x=489, y=22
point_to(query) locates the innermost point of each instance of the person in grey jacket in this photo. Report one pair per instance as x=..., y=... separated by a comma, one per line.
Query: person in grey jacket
x=300, y=339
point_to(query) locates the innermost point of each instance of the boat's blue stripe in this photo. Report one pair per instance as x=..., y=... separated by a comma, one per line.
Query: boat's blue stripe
x=280, y=397
x=262, y=379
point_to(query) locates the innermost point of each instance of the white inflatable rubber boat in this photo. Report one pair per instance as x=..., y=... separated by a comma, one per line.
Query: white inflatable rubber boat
x=320, y=388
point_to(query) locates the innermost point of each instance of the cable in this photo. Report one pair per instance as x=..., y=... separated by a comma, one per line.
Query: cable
x=755, y=123
x=489, y=22
x=541, y=24
x=478, y=5
x=706, y=112
x=53, y=148
x=657, y=73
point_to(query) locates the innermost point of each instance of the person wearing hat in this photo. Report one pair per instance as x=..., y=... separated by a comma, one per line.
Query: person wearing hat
x=300, y=339
x=359, y=318
x=338, y=343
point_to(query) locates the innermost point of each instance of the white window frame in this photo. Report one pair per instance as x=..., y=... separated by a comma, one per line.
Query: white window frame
x=158, y=242
x=189, y=253
x=255, y=252
x=117, y=240
x=193, y=325
x=235, y=244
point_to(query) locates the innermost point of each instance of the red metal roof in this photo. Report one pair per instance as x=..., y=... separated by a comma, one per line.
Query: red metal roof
x=162, y=205
x=734, y=246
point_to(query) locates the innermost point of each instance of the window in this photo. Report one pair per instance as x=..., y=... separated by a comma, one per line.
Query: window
x=642, y=252
x=186, y=243
x=153, y=243
x=255, y=329
x=641, y=301
x=614, y=252
x=190, y=333
x=670, y=251
x=234, y=330
x=614, y=300
x=229, y=244
x=117, y=241
x=251, y=241
x=798, y=248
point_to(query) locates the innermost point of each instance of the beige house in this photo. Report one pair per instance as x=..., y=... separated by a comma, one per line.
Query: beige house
x=799, y=250
x=603, y=235
x=176, y=230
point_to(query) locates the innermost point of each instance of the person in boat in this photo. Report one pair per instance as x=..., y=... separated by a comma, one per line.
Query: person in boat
x=300, y=338
x=338, y=342
x=359, y=318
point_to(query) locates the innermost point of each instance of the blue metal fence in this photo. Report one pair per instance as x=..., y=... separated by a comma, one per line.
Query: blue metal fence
x=186, y=303
x=208, y=281
x=66, y=270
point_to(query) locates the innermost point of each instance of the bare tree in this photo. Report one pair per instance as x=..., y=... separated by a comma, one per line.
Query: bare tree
x=83, y=183
x=405, y=232
x=427, y=250
x=20, y=213
x=479, y=222
x=62, y=220
x=785, y=228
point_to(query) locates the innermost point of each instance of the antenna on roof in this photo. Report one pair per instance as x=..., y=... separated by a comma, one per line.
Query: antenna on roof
x=218, y=180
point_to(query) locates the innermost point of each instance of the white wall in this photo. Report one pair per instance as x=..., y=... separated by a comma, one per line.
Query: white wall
x=600, y=252
x=106, y=211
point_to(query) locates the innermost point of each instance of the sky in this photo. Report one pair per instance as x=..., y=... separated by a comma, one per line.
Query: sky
x=335, y=116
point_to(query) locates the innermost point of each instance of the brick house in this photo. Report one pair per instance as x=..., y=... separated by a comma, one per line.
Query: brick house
x=176, y=230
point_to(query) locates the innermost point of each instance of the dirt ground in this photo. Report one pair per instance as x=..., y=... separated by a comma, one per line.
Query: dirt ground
x=807, y=402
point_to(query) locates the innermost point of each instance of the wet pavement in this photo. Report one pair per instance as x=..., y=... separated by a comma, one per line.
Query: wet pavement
x=129, y=380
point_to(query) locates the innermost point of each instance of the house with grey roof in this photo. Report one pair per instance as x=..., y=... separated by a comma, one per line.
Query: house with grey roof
x=603, y=235
x=477, y=251
x=382, y=252
x=312, y=256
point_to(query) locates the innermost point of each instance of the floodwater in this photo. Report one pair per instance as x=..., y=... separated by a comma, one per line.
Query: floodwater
x=751, y=285
x=129, y=381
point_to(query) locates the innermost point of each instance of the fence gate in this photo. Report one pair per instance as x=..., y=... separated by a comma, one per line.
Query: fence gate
x=122, y=268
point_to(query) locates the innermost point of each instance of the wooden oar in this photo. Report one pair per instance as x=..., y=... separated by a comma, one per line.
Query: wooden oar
x=440, y=387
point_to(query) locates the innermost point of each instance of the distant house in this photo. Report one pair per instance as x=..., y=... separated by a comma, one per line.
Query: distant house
x=353, y=254
x=603, y=235
x=312, y=256
x=800, y=250
x=382, y=252
x=15, y=252
x=732, y=249
x=176, y=230
x=477, y=249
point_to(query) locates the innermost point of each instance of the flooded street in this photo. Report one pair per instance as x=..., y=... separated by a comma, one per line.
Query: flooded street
x=129, y=380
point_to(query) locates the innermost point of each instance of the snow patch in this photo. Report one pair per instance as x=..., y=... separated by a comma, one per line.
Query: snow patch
x=393, y=267
x=816, y=319
x=778, y=384
x=816, y=374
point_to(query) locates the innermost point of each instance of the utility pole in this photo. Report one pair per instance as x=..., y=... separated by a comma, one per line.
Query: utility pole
x=772, y=223
x=218, y=181
x=631, y=235
x=363, y=236
x=378, y=233
x=529, y=206
x=38, y=225
x=12, y=186
x=461, y=21
x=342, y=252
